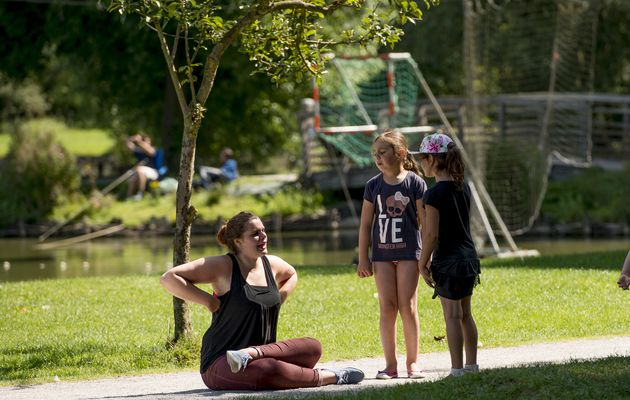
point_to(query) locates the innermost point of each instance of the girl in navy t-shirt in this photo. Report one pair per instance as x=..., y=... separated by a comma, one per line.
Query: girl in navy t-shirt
x=390, y=221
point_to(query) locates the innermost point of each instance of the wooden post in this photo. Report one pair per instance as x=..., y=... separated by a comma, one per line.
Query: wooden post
x=502, y=130
x=626, y=129
x=306, y=122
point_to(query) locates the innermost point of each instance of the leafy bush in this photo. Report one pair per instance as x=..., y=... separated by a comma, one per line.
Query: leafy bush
x=602, y=195
x=291, y=200
x=37, y=174
x=21, y=100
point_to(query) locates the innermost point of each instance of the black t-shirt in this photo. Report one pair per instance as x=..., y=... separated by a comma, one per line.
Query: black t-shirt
x=248, y=316
x=453, y=204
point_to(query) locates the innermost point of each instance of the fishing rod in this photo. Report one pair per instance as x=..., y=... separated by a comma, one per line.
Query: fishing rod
x=105, y=190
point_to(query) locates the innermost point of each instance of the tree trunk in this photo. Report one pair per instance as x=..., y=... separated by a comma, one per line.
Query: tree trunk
x=185, y=215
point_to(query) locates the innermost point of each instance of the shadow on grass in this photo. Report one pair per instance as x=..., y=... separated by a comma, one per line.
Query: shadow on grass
x=607, y=378
x=24, y=364
x=159, y=395
x=601, y=260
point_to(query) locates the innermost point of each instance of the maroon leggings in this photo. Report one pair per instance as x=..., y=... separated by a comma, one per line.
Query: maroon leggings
x=282, y=365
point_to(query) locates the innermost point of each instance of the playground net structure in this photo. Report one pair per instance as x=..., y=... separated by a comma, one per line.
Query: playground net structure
x=360, y=98
x=528, y=69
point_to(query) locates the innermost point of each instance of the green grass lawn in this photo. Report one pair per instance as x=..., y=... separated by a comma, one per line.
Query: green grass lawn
x=96, y=327
x=79, y=142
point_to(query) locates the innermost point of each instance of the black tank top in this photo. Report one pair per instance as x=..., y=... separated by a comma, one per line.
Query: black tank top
x=248, y=316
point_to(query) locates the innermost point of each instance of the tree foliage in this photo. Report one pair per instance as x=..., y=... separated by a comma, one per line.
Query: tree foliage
x=283, y=38
x=112, y=75
x=612, y=70
x=21, y=99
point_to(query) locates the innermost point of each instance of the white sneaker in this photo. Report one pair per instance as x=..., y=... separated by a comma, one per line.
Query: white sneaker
x=457, y=372
x=135, y=197
x=237, y=360
x=471, y=368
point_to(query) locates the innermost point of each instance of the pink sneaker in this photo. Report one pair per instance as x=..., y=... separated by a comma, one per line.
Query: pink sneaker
x=386, y=375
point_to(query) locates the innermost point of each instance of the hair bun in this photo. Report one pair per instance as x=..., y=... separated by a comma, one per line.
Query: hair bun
x=221, y=235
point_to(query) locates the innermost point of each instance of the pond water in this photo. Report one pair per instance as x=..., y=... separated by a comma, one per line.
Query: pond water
x=20, y=259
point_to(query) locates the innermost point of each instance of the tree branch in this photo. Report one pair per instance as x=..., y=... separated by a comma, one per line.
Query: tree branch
x=265, y=7
x=212, y=61
x=300, y=5
x=189, y=70
x=170, y=63
x=175, y=42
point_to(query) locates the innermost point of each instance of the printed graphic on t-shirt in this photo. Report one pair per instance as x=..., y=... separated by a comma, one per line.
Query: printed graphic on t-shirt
x=390, y=221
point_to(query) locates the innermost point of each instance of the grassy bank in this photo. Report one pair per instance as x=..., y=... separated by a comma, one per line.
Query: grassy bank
x=219, y=203
x=94, y=327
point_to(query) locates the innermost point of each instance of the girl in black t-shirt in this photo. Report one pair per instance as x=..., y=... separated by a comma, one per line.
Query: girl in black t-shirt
x=454, y=270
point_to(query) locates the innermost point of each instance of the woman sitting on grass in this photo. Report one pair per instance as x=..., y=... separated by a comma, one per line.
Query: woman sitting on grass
x=239, y=351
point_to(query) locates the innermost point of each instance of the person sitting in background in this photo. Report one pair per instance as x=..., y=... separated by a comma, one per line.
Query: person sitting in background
x=624, y=279
x=227, y=172
x=146, y=168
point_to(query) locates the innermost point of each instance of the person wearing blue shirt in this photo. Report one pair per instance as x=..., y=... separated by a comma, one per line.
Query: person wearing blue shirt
x=227, y=172
x=147, y=167
x=229, y=168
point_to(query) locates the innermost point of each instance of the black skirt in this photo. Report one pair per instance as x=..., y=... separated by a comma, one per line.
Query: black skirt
x=455, y=279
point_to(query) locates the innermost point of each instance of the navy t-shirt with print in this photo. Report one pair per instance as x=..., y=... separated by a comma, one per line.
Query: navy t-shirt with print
x=395, y=230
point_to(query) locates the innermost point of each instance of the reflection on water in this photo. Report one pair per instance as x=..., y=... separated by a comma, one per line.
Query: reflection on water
x=153, y=255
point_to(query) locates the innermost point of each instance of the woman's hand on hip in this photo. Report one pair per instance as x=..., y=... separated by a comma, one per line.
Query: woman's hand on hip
x=214, y=303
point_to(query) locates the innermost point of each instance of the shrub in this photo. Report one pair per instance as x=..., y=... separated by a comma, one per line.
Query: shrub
x=602, y=195
x=37, y=174
x=291, y=200
x=21, y=100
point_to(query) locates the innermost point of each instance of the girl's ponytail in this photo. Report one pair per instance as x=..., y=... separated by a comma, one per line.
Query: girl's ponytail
x=410, y=164
x=454, y=164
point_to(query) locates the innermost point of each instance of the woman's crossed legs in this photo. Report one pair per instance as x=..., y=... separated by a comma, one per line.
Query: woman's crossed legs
x=282, y=365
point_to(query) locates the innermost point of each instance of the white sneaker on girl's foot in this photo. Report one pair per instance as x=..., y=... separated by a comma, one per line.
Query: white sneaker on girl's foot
x=457, y=372
x=471, y=368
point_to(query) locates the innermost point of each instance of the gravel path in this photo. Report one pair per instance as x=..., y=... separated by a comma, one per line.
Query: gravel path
x=188, y=385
